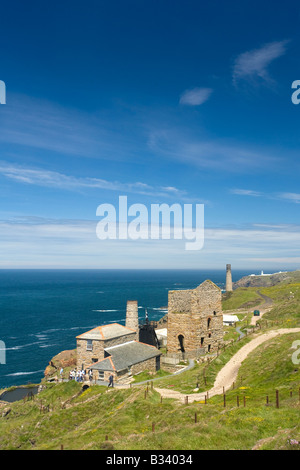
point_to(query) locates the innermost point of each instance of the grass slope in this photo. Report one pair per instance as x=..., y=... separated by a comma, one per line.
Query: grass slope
x=123, y=419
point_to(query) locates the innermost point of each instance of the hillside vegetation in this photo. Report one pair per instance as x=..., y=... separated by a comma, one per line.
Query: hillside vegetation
x=134, y=419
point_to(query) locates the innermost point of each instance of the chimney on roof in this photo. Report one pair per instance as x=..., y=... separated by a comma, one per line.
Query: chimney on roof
x=228, y=278
x=132, y=318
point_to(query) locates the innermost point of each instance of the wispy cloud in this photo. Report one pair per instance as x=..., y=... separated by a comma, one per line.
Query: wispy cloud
x=39, y=124
x=246, y=192
x=54, y=179
x=254, y=64
x=288, y=197
x=292, y=197
x=37, y=242
x=195, y=96
x=216, y=154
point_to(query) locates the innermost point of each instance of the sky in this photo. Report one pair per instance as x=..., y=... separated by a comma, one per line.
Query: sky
x=165, y=102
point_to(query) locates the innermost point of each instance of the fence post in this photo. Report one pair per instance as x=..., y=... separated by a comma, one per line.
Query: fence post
x=224, y=400
x=195, y=417
x=153, y=427
x=238, y=400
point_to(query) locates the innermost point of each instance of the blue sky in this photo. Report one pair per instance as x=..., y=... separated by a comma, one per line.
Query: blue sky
x=162, y=101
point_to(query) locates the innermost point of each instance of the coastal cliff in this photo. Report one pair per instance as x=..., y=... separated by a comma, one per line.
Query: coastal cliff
x=267, y=280
x=62, y=360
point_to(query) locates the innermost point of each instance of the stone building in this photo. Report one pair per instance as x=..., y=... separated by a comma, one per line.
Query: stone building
x=195, y=321
x=116, y=348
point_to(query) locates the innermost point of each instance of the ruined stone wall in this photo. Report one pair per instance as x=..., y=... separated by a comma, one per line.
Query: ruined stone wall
x=179, y=301
x=195, y=315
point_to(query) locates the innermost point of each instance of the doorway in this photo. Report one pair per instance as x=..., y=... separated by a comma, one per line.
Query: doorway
x=181, y=343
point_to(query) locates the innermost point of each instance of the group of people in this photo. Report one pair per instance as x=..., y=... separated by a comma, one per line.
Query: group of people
x=80, y=375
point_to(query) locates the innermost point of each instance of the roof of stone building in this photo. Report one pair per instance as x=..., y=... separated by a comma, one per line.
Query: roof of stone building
x=125, y=355
x=113, y=330
x=208, y=283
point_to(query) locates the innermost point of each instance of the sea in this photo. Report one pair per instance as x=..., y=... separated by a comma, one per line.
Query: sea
x=42, y=311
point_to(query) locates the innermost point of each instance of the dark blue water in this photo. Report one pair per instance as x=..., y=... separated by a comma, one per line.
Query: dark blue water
x=42, y=311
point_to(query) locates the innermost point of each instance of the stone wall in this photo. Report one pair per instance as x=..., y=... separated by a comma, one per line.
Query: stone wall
x=108, y=343
x=86, y=357
x=195, y=320
x=149, y=365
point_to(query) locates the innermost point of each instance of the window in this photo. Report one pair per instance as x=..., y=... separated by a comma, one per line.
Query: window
x=101, y=375
x=208, y=322
x=208, y=348
x=89, y=345
x=215, y=313
x=202, y=341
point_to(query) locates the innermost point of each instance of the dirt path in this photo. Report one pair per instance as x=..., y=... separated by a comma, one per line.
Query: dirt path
x=263, y=308
x=228, y=373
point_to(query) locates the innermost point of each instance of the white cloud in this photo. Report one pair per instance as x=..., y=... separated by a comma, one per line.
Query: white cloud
x=53, y=179
x=216, y=154
x=246, y=192
x=292, y=197
x=288, y=197
x=255, y=63
x=196, y=96
x=37, y=242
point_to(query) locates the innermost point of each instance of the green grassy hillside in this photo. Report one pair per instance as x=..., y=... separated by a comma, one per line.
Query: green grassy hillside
x=130, y=419
x=122, y=419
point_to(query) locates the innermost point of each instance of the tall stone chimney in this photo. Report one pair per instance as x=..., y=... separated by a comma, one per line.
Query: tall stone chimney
x=132, y=319
x=228, y=278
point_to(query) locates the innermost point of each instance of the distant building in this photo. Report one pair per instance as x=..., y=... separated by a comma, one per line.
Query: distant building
x=230, y=319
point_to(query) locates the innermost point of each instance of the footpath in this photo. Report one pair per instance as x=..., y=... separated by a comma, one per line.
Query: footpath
x=229, y=372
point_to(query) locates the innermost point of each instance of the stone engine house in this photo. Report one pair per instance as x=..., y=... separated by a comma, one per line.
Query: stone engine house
x=195, y=321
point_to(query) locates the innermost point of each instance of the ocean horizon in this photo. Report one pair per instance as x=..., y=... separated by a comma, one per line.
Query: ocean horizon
x=43, y=310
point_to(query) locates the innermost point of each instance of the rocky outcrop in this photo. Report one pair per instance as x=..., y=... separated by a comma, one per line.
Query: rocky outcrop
x=62, y=360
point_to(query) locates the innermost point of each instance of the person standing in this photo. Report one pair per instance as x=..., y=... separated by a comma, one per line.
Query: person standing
x=111, y=381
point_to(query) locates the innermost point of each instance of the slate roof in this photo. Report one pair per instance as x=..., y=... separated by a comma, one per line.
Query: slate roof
x=113, y=330
x=125, y=355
